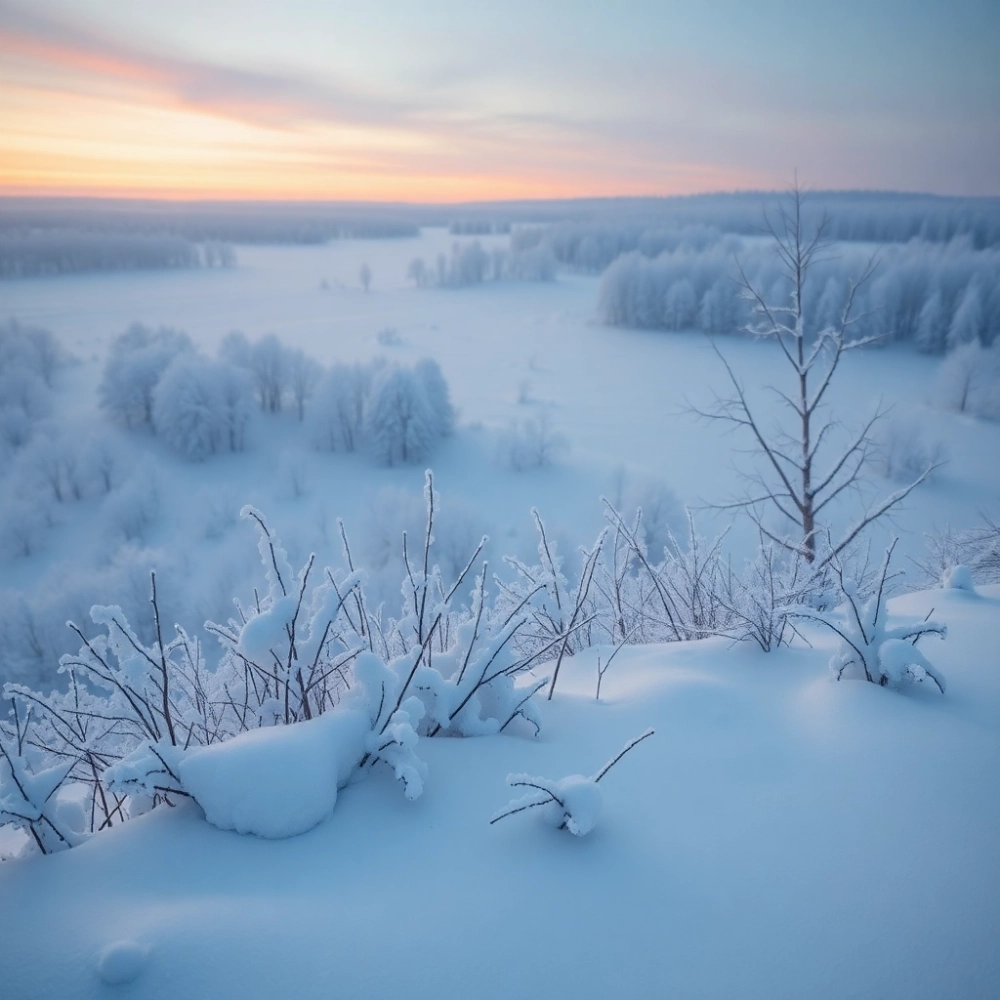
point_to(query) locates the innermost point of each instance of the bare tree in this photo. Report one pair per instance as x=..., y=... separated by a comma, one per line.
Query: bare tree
x=807, y=461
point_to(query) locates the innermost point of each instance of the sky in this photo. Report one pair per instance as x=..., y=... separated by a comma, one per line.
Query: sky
x=432, y=101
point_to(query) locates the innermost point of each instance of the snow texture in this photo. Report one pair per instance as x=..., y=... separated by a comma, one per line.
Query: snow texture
x=121, y=962
x=277, y=781
x=958, y=578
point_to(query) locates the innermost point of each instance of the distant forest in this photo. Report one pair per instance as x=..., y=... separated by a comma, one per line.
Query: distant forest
x=40, y=236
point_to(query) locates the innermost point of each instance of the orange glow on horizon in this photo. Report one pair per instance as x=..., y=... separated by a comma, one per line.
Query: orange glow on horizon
x=97, y=121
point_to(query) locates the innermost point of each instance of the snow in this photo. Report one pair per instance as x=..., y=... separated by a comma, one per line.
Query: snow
x=958, y=578
x=781, y=836
x=276, y=781
x=121, y=962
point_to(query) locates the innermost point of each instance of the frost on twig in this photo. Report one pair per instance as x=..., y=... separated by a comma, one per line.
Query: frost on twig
x=572, y=803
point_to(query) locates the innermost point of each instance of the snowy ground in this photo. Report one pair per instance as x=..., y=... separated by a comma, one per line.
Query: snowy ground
x=780, y=836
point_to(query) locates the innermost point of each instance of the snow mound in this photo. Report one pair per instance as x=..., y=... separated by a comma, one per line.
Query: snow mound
x=121, y=962
x=277, y=781
x=582, y=801
x=958, y=578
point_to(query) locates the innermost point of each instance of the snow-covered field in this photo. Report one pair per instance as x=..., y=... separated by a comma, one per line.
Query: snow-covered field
x=780, y=835
x=509, y=351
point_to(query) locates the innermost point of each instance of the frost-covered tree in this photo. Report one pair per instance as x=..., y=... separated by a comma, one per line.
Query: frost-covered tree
x=202, y=407
x=401, y=424
x=304, y=374
x=418, y=272
x=807, y=462
x=365, y=276
x=969, y=380
x=137, y=360
x=269, y=364
x=932, y=328
x=428, y=371
x=680, y=308
x=968, y=323
x=336, y=418
x=29, y=349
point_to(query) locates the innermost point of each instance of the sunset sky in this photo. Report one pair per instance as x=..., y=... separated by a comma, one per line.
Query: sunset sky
x=436, y=101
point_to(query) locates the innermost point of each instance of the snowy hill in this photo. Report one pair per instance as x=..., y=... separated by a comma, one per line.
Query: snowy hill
x=781, y=835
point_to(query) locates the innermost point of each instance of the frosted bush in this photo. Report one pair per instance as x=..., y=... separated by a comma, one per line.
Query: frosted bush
x=573, y=803
x=958, y=578
x=902, y=450
x=531, y=444
x=144, y=718
x=870, y=649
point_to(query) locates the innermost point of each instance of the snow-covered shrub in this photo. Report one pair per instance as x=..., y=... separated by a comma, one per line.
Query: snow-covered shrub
x=137, y=360
x=531, y=444
x=871, y=649
x=558, y=615
x=977, y=549
x=202, y=407
x=958, y=578
x=903, y=452
x=969, y=380
x=144, y=718
x=662, y=513
x=573, y=803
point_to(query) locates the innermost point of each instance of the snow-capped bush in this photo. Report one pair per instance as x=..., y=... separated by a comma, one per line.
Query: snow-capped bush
x=977, y=549
x=903, y=451
x=531, y=444
x=958, y=578
x=871, y=649
x=145, y=720
x=573, y=803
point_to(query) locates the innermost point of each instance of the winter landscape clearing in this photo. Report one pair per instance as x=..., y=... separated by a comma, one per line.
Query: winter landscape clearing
x=499, y=501
x=838, y=838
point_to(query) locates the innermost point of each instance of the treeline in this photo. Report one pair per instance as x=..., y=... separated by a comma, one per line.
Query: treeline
x=36, y=253
x=936, y=296
x=471, y=264
x=590, y=247
x=207, y=222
